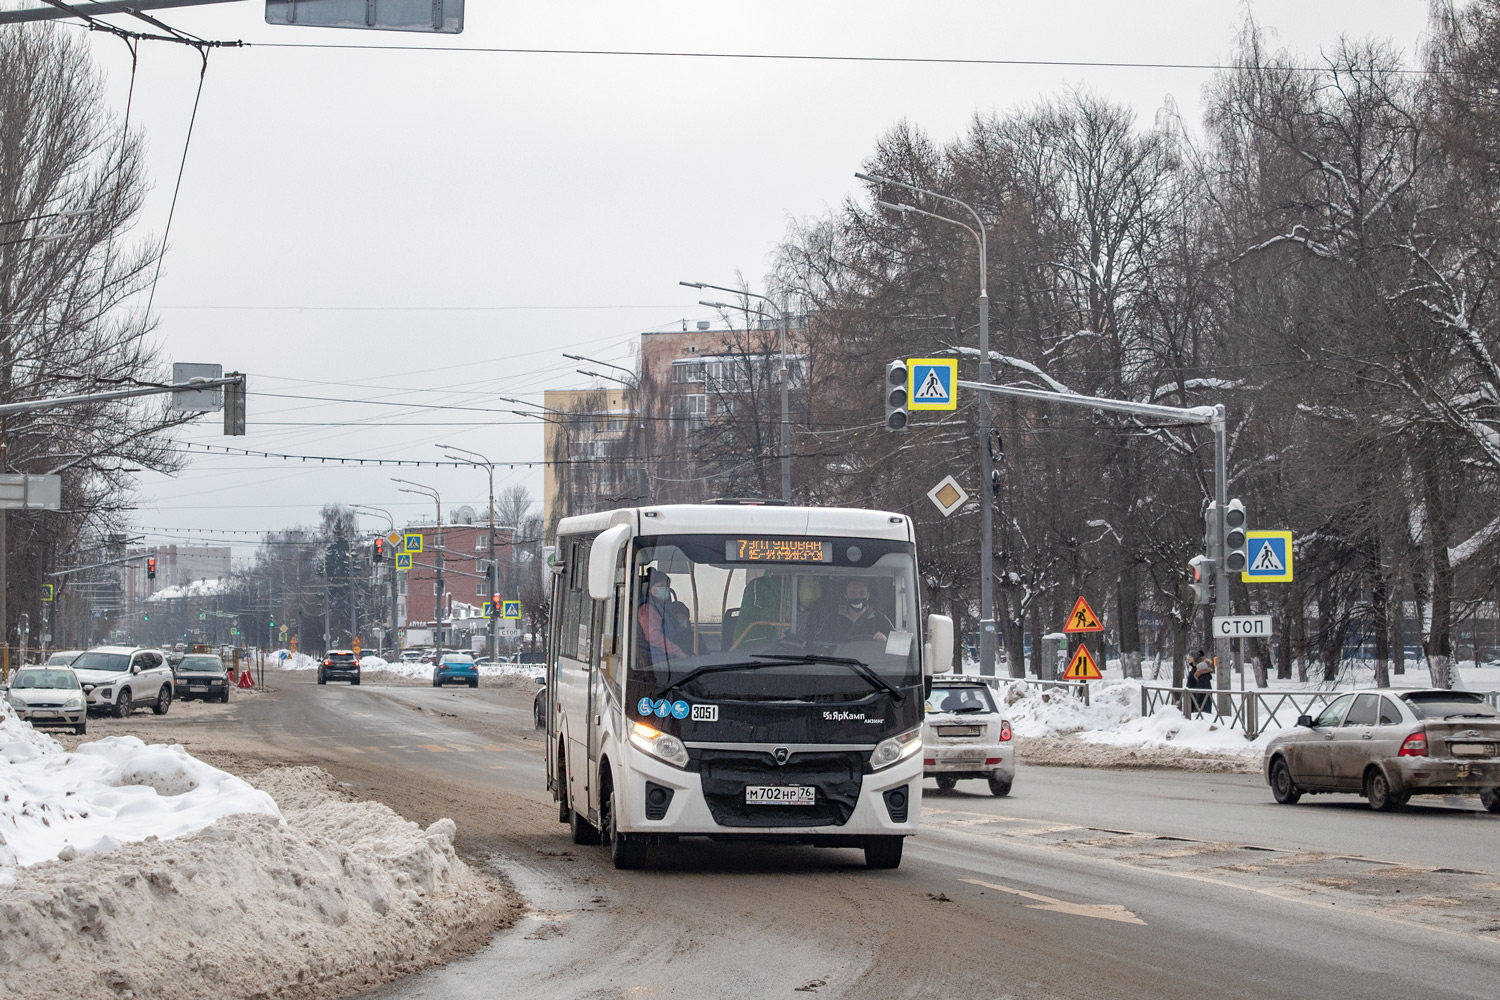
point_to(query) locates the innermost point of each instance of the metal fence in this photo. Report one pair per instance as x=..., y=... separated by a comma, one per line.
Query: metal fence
x=1250, y=711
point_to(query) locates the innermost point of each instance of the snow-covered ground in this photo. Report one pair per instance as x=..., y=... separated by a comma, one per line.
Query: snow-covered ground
x=129, y=869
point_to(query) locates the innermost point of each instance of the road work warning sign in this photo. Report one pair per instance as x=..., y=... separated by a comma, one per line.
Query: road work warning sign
x=1082, y=618
x=1082, y=667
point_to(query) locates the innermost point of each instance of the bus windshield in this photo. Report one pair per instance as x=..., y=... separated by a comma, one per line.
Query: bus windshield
x=774, y=618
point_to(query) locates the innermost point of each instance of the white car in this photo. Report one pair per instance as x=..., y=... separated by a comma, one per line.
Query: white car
x=63, y=657
x=117, y=678
x=964, y=736
x=48, y=696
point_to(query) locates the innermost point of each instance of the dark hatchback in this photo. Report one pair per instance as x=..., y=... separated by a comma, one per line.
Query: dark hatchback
x=201, y=676
x=339, y=665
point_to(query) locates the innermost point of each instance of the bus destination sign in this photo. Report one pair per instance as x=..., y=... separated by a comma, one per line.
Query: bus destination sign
x=786, y=550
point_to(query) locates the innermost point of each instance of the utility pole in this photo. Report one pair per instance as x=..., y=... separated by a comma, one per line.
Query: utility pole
x=987, y=636
x=437, y=549
x=493, y=579
x=782, y=325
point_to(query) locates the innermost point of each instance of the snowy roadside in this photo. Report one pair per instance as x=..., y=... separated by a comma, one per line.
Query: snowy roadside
x=209, y=885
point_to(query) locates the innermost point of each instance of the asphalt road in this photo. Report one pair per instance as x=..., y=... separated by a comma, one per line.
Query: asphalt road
x=1082, y=883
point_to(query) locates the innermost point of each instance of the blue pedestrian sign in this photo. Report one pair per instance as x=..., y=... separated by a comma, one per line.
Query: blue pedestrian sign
x=1270, y=557
x=930, y=383
x=403, y=560
x=510, y=609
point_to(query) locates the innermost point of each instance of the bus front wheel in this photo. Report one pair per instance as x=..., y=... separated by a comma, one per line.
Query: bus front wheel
x=625, y=851
x=883, y=852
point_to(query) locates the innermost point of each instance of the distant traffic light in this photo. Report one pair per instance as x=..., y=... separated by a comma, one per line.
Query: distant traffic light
x=1201, y=579
x=380, y=550
x=151, y=568
x=895, y=396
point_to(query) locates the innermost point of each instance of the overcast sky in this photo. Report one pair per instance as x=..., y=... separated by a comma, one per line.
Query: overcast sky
x=437, y=227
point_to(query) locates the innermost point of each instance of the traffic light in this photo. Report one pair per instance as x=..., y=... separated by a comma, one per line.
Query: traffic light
x=234, y=406
x=1201, y=579
x=151, y=568
x=895, y=396
x=1211, y=532
x=1236, y=542
x=380, y=550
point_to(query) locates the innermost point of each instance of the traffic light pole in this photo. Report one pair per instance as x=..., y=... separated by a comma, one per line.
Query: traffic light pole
x=1212, y=416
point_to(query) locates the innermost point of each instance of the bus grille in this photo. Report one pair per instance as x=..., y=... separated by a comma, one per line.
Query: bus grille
x=836, y=776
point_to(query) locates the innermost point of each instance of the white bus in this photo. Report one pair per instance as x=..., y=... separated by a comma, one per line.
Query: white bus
x=740, y=671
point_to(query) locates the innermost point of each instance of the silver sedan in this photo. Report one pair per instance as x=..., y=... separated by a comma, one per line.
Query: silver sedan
x=1389, y=745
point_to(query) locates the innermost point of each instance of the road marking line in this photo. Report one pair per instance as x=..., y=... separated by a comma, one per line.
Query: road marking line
x=1099, y=911
x=434, y=748
x=364, y=715
x=497, y=767
x=461, y=748
x=489, y=746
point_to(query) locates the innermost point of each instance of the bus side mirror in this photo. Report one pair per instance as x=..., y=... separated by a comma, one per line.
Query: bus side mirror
x=938, y=650
x=604, y=556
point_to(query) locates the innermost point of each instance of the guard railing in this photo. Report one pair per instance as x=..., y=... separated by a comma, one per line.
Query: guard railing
x=1079, y=689
x=1250, y=711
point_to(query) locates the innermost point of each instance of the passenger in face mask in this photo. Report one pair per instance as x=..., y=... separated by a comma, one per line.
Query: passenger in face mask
x=651, y=616
x=856, y=619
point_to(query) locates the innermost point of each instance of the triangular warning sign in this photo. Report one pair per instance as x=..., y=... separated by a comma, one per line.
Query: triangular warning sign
x=1266, y=561
x=1083, y=619
x=932, y=388
x=1083, y=667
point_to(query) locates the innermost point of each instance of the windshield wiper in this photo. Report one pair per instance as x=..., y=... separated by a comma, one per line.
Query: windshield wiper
x=970, y=708
x=858, y=666
x=710, y=668
x=1469, y=715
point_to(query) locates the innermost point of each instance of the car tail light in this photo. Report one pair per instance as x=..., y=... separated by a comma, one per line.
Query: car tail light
x=1414, y=745
x=929, y=762
x=1004, y=730
x=993, y=760
x=327, y=663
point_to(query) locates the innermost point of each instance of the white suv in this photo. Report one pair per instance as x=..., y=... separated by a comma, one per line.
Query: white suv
x=117, y=678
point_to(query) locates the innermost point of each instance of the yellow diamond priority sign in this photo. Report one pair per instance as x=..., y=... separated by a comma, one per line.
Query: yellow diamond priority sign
x=948, y=496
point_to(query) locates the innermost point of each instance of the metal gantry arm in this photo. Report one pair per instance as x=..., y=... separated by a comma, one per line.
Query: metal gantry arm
x=1211, y=416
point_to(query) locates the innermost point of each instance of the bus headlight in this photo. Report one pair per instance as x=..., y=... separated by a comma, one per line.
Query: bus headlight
x=896, y=748
x=659, y=744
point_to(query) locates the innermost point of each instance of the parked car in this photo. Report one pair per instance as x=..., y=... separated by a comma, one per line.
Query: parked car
x=117, y=678
x=203, y=675
x=1389, y=745
x=49, y=696
x=964, y=736
x=339, y=664
x=63, y=657
x=411, y=656
x=455, y=667
x=539, y=704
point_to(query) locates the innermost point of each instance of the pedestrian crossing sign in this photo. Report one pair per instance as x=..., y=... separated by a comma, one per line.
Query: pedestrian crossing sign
x=403, y=560
x=1083, y=667
x=489, y=609
x=930, y=383
x=510, y=609
x=1270, y=557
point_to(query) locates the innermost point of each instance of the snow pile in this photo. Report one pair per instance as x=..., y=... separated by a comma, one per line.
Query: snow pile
x=340, y=896
x=1168, y=728
x=198, y=588
x=1034, y=710
x=287, y=660
x=107, y=793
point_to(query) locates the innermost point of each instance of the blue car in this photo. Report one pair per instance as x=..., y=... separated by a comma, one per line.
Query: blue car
x=456, y=668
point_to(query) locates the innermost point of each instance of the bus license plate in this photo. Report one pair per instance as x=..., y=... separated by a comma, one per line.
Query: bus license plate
x=780, y=795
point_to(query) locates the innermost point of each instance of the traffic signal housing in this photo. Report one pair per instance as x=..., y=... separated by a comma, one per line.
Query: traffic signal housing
x=1201, y=579
x=895, y=396
x=379, y=550
x=1236, y=541
x=151, y=568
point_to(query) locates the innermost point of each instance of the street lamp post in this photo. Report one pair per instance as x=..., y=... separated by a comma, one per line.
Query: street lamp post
x=782, y=324
x=986, y=474
x=437, y=549
x=494, y=580
x=390, y=571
